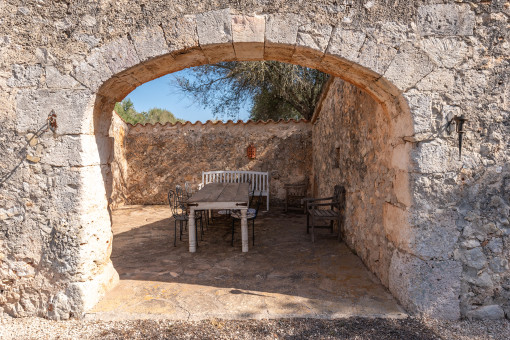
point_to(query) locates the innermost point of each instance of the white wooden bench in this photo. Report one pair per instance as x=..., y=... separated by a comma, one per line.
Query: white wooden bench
x=259, y=180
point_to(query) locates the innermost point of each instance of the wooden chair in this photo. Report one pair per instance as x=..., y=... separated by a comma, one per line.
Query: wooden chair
x=251, y=215
x=179, y=213
x=326, y=208
x=294, y=193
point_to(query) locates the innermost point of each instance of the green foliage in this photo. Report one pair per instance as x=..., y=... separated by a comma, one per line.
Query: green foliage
x=127, y=112
x=276, y=90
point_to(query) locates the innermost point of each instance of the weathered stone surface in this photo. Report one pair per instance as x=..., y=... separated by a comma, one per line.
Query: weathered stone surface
x=433, y=285
x=492, y=312
x=443, y=20
x=119, y=55
x=409, y=66
x=181, y=32
x=71, y=106
x=248, y=36
x=57, y=80
x=280, y=36
x=440, y=80
x=25, y=76
x=346, y=43
x=93, y=71
x=149, y=43
x=214, y=27
x=447, y=52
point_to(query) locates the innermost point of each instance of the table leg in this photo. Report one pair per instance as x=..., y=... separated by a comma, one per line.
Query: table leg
x=192, y=231
x=244, y=230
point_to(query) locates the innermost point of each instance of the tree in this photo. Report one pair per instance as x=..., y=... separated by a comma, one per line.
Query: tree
x=127, y=112
x=276, y=90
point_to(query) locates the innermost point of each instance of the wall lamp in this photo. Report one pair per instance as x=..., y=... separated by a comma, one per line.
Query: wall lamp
x=459, y=128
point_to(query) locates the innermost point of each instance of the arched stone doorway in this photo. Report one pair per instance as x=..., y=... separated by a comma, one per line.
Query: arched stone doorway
x=404, y=68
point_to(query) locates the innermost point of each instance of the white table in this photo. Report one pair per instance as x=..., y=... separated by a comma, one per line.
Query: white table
x=219, y=196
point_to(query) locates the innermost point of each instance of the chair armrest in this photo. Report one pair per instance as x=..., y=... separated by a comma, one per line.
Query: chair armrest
x=311, y=205
x=308, y=200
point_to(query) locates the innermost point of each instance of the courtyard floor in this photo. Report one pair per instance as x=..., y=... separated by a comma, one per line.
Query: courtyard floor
x=283, y=275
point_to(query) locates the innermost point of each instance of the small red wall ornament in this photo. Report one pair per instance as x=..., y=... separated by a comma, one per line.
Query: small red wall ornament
x=251, y=151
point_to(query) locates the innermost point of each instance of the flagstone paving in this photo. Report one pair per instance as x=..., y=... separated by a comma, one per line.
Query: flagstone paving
x=283, y=275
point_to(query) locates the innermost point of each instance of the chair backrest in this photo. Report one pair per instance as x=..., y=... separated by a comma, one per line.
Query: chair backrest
x=181, y=194
x=339, y=196
x=173, y=202
x=188, y=189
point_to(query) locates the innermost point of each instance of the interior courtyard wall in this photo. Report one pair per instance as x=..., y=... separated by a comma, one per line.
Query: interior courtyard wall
x=351, y=147
x=430, y=60
x=158, y=157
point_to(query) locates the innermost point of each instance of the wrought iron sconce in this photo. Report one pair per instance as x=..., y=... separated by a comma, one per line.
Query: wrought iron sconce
x=52, y=121
x=459, y=128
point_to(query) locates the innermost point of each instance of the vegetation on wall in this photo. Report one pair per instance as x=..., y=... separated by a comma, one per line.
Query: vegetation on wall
x=127, y=112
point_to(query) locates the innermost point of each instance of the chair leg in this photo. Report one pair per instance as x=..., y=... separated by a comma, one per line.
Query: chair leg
x=313, y=229
x=253, y=231
x=201, y=229
x=339, y=230
x=331, y=226
x=180, y=230
x=307, y=223
x=232, y=243
x=175, y=233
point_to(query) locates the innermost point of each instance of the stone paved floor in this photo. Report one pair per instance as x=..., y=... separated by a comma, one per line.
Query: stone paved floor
x=283, y=275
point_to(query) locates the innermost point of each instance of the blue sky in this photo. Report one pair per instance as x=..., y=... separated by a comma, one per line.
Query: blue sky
x=160, y=93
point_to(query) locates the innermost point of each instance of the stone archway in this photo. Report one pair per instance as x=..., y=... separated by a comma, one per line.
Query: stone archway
x=56, y=258
x=221, y=36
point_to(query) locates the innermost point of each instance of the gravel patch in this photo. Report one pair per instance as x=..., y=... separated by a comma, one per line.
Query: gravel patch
x=350, y=328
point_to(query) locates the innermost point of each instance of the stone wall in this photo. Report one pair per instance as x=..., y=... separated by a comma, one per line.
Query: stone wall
x=465, y=246
x=422, y=61
x=351, y=147
x=160, y=156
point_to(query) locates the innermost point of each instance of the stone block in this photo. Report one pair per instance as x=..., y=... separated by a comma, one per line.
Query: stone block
x=426, y=287
x=491, y=312
x=397, y=228
x=311, y=44
x=248, y=36
x=440, y=80
x=181, y=33
x=73, y=109
x=57, y=80
x=92, y=72
x=435, y=157
x=25, y=76
x=401, y=188
x=446, y=52
x=149, y=43
x=214, y=27
x=445, y=20
x=420, y=105
x=376, y=56
x=77, y=150
x=120, y=55
x=346, y=43
x=280, y=36
x=409, y=66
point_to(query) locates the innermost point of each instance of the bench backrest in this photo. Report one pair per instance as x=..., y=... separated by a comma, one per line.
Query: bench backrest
x=259, y=180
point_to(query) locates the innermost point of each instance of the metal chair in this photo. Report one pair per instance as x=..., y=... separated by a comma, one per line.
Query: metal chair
x=179, y=213
x=251, y=215
x=336, y=212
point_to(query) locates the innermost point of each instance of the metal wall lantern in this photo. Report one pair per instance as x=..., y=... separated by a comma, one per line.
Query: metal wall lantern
x=251, y=151
x=459, y=128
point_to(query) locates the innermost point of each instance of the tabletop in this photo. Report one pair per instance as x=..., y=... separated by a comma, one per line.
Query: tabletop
x=221, y=192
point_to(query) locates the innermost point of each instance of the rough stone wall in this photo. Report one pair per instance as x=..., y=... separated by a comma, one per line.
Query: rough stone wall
x=119, y=166
x=422, y=61
x=351, y=147
x=160, y=156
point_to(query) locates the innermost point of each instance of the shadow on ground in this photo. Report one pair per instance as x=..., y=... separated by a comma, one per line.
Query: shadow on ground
x=283, y=275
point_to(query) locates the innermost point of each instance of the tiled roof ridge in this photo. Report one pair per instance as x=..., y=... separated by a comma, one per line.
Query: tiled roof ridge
x=210, y=122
